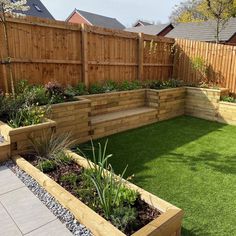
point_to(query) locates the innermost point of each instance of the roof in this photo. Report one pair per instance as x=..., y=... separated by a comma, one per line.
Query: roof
x=102, y=21
x=37, y=9
x=149, y=29
x=144, y=23
x=203, y=31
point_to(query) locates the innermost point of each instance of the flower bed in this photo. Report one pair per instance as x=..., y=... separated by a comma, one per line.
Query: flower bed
x=164, y=218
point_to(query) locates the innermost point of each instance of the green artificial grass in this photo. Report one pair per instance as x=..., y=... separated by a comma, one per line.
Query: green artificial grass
x=188, y=162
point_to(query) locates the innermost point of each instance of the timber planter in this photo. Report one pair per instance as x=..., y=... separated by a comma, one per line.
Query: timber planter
x=227, y=113
x=167, y=224
x=18, y=138
x=203, y=103
x=73, y=117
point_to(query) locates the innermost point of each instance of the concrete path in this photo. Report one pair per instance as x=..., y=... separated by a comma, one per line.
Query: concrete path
x=22, y=213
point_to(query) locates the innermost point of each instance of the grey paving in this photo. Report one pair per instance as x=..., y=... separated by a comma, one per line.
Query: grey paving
x=51, y=229
x=8, y=227
x=22, y=213
x=8, y=181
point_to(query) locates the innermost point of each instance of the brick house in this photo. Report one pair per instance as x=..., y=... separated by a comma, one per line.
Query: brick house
x=78, y=16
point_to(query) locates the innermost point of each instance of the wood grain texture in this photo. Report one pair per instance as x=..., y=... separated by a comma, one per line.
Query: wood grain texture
x=44, y=50
x=220, y=61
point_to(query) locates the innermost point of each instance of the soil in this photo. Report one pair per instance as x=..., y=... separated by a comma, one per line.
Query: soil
x=145, y=212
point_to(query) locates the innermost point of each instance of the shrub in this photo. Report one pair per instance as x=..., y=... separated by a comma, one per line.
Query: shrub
x=126, y=196
x=97, y=89
x=70, y=178
x=27, y=115
x=228, y=99
x=123, y=217
x=130, y=85
x=158, y=84
x=57, y=93
x=81, y=89
x=46, y=166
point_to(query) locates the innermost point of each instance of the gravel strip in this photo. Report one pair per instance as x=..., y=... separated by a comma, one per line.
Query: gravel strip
x=52, y=204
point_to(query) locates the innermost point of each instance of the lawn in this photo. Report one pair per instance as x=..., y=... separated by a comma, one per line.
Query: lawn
x=188, y=162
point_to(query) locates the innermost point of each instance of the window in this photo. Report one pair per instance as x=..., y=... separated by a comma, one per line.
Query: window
x=37, y=7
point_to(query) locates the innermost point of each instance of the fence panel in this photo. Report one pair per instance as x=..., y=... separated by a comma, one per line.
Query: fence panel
x=44, y=50
x=219, y=60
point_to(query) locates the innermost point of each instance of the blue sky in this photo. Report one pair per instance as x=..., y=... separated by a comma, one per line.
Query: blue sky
x=126, y=11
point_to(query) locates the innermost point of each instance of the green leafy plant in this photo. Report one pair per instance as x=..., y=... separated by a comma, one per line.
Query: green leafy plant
x=57, y=93
x=228, y=99
x=70, y=178
x=27, y=115
x=130, y=85
x=124, y=216
x=110, y=189
x=97, y=89
x=126, y=196
x=46, y=166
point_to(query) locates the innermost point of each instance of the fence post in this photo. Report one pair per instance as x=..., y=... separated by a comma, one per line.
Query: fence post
x=4, y=73
x=85, y=55
x=140, y=57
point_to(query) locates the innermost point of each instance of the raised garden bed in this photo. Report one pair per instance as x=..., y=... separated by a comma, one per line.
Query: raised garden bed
x=18, y=138
x=73, y=117
x=203, y=103
x=227, y=113
x=165, y=219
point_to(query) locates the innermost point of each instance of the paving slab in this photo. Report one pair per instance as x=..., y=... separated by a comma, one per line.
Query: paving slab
x=8, y=181
x=51, y=229
x=27, y=211
x=7, y=225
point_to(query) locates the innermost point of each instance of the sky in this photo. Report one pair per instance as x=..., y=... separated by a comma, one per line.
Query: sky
x=126, y=11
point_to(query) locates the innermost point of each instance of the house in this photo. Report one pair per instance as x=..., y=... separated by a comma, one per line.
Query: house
x=37, y=9
x=141, y=23
x=205, y=31
x=78, y=16
x=159, y=30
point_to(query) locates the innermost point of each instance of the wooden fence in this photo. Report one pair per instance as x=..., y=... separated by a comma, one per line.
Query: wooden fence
x=43, y=50
x=219, y=60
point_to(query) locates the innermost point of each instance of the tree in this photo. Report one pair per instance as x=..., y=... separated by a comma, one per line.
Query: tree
x=187, y=11
x=219, y=11
x=10, y=8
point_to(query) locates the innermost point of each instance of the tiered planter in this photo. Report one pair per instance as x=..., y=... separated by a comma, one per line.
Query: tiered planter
x=167, y=224
x=18, y=138
x=73, y=117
